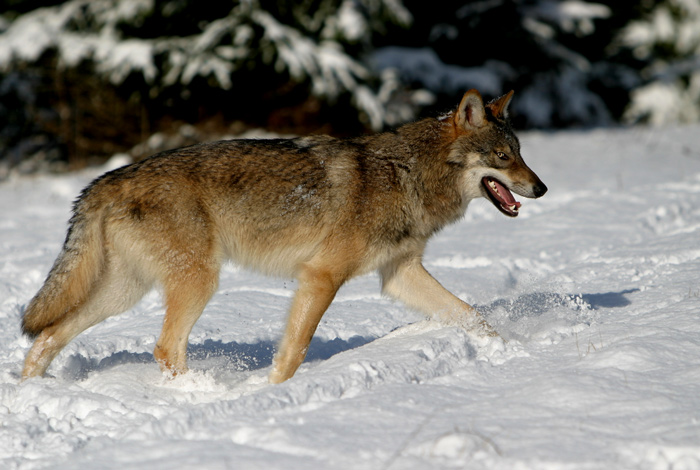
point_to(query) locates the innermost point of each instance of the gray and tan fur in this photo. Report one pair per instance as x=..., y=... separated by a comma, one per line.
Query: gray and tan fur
x=319, y=209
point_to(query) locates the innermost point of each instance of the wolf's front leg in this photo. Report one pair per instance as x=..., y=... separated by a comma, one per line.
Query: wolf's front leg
x=408, y=281
x=317, y=288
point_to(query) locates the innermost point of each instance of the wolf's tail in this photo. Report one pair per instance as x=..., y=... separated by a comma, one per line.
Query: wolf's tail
x=73, y=274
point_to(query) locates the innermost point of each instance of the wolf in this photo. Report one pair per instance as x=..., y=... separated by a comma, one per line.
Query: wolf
x=319, y=209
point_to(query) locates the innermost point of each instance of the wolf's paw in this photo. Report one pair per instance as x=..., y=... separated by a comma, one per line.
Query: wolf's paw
x=479, y=327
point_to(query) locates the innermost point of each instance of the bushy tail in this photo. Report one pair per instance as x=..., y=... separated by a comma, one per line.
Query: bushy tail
x=73, y=274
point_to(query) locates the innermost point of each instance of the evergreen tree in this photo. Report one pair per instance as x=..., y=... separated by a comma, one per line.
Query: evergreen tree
x=174, y=59
x=665, y=43
x=551, y=52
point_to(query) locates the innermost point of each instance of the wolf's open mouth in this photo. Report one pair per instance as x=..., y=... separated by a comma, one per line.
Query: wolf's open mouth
x=501, y=196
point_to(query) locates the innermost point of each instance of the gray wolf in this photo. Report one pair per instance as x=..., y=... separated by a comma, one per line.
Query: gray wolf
x=319, y=209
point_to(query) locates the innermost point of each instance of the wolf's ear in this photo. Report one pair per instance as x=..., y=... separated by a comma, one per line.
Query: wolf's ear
x=471, y=113
x=499, y=106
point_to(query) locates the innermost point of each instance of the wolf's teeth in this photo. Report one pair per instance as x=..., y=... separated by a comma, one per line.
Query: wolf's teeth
x=493, y=186
x=514, y=208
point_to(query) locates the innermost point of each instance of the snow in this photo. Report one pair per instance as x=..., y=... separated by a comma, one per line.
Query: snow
x=422, y=65
x=352, y=24
x=663, y=102
x=117, y=59
x=571, y=16
x=671, y=91
x=595, y=286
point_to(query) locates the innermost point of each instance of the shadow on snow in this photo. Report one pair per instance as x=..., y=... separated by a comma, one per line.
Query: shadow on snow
x=534, y=304
x=609, y=299
x=245, y=356
x=239, y=356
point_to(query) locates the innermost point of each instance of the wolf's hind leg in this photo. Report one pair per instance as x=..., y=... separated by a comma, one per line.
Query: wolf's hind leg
x=409, y=282
x=317, y=288
x=186, y=295
x=115, y=291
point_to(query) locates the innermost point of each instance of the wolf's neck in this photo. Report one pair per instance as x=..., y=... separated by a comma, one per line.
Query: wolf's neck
x=428, y=144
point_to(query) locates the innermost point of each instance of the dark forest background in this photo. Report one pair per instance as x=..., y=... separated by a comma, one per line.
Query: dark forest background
x=82, y=80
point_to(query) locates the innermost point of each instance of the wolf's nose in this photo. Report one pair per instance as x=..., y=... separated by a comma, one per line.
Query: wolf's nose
x=540, y=189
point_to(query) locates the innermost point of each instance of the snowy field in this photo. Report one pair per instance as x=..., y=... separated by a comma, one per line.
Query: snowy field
x=596, y=286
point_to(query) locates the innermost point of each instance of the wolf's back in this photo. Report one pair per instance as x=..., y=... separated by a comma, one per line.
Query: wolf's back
x=75, y=270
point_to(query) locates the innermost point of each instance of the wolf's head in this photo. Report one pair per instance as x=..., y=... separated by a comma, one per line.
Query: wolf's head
x=489, y=151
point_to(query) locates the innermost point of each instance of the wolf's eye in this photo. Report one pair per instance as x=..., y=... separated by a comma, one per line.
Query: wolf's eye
x=502, y=155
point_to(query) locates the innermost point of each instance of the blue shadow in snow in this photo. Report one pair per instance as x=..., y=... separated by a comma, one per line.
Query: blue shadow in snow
x=609, y=299
x=534, y=304
x=245, y=356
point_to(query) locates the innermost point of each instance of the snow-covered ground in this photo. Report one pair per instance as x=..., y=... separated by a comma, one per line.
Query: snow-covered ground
x=596, y=286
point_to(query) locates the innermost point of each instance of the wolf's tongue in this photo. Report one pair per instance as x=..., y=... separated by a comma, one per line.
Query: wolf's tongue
x=505, y=194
